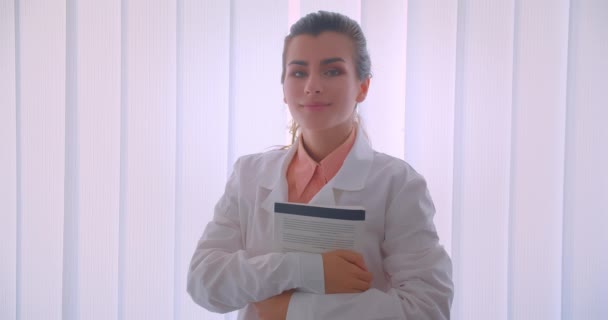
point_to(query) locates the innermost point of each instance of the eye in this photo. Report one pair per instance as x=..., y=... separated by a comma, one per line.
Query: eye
x=332, y=73
x=298, y=74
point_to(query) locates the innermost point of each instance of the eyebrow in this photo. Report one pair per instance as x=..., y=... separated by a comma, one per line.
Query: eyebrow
x=323, y=62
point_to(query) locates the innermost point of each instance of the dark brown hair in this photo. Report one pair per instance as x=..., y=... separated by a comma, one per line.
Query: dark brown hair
x=317, y=22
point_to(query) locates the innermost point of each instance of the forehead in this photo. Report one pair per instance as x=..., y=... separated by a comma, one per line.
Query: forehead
x=325, y=45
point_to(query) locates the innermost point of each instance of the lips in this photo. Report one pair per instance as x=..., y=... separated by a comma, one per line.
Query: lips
x=315, y=105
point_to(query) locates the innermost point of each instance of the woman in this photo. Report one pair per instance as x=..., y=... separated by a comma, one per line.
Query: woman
x=401, y=271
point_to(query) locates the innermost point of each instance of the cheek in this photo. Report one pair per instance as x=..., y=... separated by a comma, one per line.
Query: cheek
x=289, y=91
x=345, y=90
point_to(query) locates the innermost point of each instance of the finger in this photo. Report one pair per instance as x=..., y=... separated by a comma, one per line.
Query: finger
x=353, y=257
x=365, y=276
x=361, y=286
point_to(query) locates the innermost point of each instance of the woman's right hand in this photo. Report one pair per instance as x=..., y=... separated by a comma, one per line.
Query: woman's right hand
x=345, y=272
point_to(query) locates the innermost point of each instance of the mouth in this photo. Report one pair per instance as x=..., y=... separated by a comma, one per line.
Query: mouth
x=315, y=105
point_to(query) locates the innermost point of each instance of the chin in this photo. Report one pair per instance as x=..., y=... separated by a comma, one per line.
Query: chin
x=317, y=127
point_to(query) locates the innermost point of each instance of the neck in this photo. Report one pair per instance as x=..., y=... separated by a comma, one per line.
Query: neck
x=320, y=143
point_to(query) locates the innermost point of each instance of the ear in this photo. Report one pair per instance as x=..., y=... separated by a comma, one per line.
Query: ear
x=363, y=88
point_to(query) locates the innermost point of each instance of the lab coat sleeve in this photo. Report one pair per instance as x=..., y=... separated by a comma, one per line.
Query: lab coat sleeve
x=224, y=277
x=419, y=270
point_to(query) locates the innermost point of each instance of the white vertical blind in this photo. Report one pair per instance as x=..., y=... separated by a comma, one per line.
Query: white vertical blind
x=540, y=52
x=97, y=107
x=585, y=279
x=482, y=146
x=41, y=130
x=383, y=110
x=429, y=105
x=120, y=120
x=8, y=163
x=149, y=108
x=202, y=127
x=257, y=118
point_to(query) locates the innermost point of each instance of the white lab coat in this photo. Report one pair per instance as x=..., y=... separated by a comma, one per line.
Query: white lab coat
x=233, y=265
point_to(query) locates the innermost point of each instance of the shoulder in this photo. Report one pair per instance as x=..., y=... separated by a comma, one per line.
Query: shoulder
x=395, y=168
x=405, y=188
x=260, y=162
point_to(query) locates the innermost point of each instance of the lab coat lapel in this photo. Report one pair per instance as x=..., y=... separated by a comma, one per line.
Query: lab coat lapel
x=277, y=194
x=350, y=177
x=352, y=174
x=355, y=169
x=325, y=197
x=273, y=187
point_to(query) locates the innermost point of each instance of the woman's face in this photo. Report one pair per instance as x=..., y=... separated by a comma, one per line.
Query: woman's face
x=321, y=86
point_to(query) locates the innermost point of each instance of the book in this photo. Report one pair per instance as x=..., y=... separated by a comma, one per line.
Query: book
x=317, y=229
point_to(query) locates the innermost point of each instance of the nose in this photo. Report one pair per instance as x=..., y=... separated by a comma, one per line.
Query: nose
x=313, y=85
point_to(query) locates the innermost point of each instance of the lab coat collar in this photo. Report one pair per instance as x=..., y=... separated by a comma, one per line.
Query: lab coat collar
x=350, y=177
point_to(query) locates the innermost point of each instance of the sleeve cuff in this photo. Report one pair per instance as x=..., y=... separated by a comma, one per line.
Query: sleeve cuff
x=312, y=277
x=300, y=306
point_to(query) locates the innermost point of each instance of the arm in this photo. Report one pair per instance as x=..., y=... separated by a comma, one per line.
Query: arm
x=419, y=269
x=345, y=272
x=224, y=277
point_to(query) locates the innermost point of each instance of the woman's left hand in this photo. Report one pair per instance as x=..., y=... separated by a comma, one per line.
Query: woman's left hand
x=274, y=308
